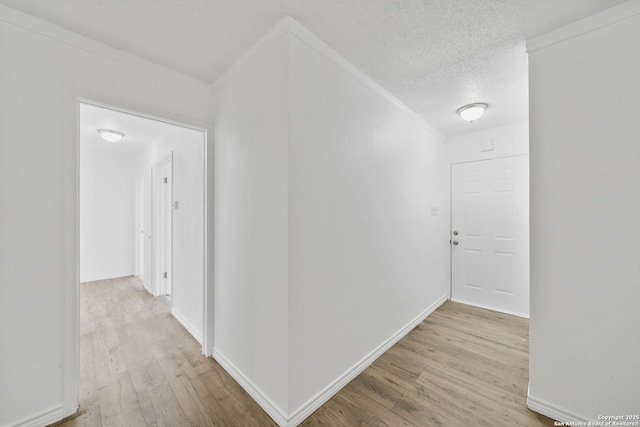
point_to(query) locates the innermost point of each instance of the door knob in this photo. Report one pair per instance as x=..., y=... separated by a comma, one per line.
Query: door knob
x=455, y=242
x=455, y=233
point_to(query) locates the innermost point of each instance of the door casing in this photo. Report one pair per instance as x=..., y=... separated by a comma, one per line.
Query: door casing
x=162, y=214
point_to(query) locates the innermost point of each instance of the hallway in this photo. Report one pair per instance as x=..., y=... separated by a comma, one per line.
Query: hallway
x=139, y=367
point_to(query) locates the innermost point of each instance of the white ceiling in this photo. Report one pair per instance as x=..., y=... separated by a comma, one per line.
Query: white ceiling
x=138, y=131
x=434, y=55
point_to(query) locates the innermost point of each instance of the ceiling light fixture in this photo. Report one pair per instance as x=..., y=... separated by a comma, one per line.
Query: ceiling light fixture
x=472, y=112
x=110, y=135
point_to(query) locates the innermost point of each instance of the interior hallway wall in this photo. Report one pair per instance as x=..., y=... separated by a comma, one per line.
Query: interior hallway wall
x=367, y=256
x=326, y=246
x=585, y=208
x=40, y=80
x=188, y=226
x=107, y=215
x=511, y=140
x=251, y=227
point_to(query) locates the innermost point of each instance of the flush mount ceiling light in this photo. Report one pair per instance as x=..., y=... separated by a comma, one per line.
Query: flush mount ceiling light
x=110, y=135
x=472, y=112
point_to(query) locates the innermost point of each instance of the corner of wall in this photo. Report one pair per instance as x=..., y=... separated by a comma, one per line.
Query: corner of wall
x=315, y=43
x=609, y=16
x=238, y=131
x=251, y=246
x=261, y=398
x=552, y=411
x=305, y=410
x=281, y=29
x=47, y=29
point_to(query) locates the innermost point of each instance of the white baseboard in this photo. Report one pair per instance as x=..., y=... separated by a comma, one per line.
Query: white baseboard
x=554, y=412
x=328, y=392
x=93, y=278
x=258, y=395
x=187, y=325
x=487, y=307
x=40, y=419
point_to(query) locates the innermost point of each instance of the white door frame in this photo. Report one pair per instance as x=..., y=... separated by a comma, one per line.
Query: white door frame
x=73, y=97
x=162, y=219
x=139, y=230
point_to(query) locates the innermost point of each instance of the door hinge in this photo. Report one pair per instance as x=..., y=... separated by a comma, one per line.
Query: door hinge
x=165, y=275
x=165, y=180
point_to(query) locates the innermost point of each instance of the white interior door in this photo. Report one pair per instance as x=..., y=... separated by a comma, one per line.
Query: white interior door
x=490, y=234
x=139, y=232
x=163, y=225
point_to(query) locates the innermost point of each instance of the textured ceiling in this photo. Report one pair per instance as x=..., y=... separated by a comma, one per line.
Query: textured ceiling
x=434, y=55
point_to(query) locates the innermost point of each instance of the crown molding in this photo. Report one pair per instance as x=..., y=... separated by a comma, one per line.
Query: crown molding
x=311, y=40
x=290, y=26
x=585, y=25
x=253, y=54
x=62, y=35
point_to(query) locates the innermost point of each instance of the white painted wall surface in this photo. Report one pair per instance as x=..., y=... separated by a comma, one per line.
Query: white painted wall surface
x=39, y=81
x=107, y=215
x=188, y=225
x=366, y=256
x=326, y=248
x=251, y=184
x=512, y=140
x=585, y=208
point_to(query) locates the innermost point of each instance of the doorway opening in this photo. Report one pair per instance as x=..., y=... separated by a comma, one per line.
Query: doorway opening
x=129, y=226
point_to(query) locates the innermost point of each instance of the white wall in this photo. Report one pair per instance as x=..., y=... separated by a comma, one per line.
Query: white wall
x=326, y=250
x=366, y=257
x=188, y=221
x=39, y=81
x=107, y=215
x=511, y=140
x=585, y=208
x=251, y=184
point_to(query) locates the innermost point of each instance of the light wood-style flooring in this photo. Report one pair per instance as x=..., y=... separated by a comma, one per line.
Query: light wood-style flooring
x=462, y=366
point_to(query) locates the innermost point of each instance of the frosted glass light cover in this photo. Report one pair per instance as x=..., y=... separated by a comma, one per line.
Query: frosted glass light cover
x=110, y=135
x=472, y=112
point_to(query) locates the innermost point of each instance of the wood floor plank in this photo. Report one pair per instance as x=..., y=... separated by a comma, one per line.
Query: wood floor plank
x=238, y=406
x=148, y=375
x=83, y=419
x=108, y=357
x=160, y=408
x=119, y=405
x=89, y=398
x=190, y=401
x=136, y=350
